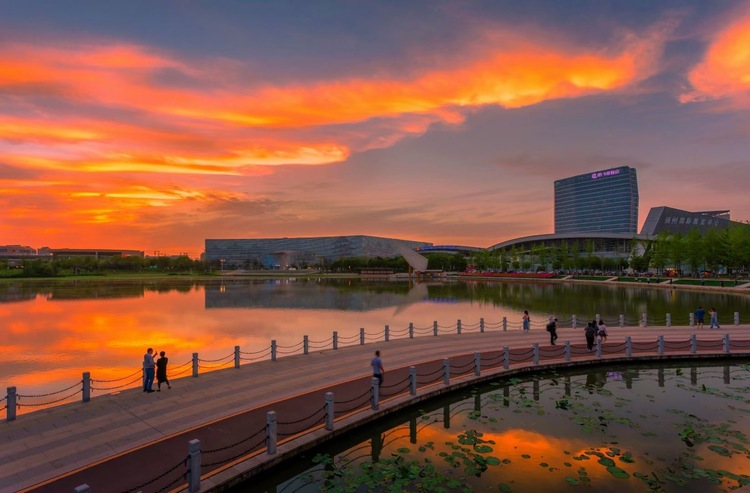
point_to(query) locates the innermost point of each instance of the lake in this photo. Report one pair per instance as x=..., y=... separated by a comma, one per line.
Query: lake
x=616, y=429
x=54, y=331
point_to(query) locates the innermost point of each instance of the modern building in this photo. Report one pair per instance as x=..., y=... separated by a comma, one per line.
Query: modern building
x=673, y=221
x=282, y=253
x=599, y=202
x=93, y=252
x=16, y=251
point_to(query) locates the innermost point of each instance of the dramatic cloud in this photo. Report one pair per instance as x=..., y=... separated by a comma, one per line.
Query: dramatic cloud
x=725, y=69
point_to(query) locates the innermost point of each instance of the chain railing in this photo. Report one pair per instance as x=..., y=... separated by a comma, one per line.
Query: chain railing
x=459, y=327
x=167, y=487
x=332, y=409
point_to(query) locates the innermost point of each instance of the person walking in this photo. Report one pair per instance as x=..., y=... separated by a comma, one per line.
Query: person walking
x=377, y=368
x=161, y=371
x=714, y=318
x=552, y=329
x=590, y=333
x=700, y=314
x=148, y=370
x=526, y=325
x=602, y=331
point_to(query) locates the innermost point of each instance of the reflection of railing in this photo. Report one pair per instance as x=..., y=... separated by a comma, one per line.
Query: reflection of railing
x=88, y=385
x=425, y=377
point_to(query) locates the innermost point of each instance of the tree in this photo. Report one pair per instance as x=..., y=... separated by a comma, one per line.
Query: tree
x=695, y=251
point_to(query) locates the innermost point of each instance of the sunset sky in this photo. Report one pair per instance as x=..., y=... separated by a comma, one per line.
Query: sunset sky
x=155, y=125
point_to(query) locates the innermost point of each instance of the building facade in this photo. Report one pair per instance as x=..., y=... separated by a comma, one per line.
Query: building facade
x=599, y=202
x=283, y=253
x=673, y=221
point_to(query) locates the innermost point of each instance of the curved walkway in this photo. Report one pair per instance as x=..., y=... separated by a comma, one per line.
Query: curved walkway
x=127, y=440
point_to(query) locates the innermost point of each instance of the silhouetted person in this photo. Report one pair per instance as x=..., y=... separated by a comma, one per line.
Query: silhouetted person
x=552, y=329
x=161, y=371
x=590, y=333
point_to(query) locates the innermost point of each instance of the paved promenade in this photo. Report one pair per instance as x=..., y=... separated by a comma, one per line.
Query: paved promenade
x=52, y=449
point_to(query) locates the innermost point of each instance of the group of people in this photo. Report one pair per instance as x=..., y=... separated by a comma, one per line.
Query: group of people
x=700, y=315
x=593, y=330
x=149, y=365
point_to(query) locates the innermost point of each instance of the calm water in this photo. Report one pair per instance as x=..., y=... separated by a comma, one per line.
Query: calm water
x=621, y=429
x=51, y=333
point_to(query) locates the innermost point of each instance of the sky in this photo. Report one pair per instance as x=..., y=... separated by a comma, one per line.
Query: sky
x=157, y=125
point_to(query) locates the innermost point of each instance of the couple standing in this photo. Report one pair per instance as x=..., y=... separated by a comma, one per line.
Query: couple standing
x=148, y=370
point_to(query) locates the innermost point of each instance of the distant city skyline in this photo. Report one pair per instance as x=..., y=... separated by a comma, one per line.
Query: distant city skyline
x=154, y=126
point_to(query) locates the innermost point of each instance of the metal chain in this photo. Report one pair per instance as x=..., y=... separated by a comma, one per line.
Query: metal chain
x=50, y=402
x=352, y=400
x=116, y=379
x=80, y=382
x=216, y=360
x=301, y=420
x=211, y=451
x=182, y=463
x=256, y=352
x=117, y=387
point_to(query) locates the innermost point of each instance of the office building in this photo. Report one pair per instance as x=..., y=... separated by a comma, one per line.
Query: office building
x=599, y=202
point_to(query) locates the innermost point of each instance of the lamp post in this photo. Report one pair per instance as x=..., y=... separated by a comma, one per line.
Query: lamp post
x=221, y=261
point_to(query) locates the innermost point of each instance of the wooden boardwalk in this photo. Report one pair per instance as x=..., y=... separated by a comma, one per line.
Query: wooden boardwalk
x=60, y=448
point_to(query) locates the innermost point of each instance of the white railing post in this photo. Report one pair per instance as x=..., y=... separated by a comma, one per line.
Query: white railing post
x=693, y=344
x=329, y=411
x=11, y=403
x=628, y=346
x=434, y=328
x=669, y=319
x=335, y=339
x=536, y=353
x=194, y=465
x=477, y=364
x=575, y=321
x=506, y=357
x=86, y=392
x=736, y=318
x=361, y=336
x=727, y=346
x=413, y=380
x=411, y=330
x=305, y=345
x=237, y=356
x=660, y=345
x=458, y=326
x=375, y=393
x=447, y=371
x=271, y=432
x=598, y=348
x=622, y=320
x=567, y=350
x=692, y=320
x=644, y=320
x=505, y=324
x=387, y=333
x=83, y=488
x=481, y=325
x=273, y=350
x=597, y=318
x=195, y=364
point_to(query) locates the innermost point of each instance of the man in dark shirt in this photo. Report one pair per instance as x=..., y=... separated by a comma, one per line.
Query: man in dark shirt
x=700, y=314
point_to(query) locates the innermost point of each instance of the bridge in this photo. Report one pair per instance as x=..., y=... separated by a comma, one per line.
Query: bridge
x=134, y=441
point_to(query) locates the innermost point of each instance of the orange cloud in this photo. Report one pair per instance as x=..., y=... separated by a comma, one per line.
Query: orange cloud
x=725, y=69
x=220, y=121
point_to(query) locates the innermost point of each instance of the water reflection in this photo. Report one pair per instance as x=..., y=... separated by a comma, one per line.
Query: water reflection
x=664, y=431
x=54, y=331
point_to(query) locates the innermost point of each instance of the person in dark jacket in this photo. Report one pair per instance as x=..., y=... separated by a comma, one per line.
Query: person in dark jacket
x=161, y=371
x=591, y=331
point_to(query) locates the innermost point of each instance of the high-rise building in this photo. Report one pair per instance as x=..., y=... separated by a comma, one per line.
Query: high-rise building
x=603, y=201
